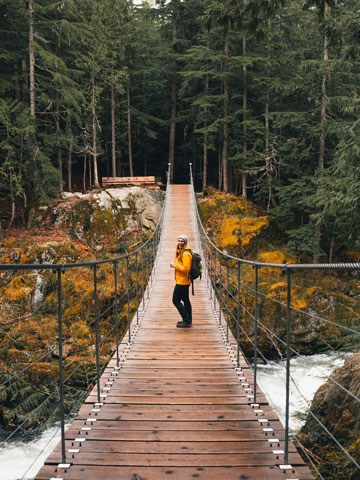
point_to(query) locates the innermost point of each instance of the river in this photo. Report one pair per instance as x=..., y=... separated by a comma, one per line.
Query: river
x=21, y=460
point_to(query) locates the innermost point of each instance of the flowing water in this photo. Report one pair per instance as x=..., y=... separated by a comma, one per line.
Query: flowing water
x=307, y=375
x=21, y=459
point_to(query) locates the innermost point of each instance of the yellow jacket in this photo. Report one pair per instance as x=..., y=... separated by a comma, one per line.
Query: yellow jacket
x=182, y=267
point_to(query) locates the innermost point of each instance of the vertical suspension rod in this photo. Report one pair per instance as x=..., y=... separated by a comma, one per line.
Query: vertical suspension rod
x=288, y=333
x=96, y=333
x=61, y=370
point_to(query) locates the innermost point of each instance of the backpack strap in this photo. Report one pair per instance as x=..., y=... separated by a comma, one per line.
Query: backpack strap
x=192, y=287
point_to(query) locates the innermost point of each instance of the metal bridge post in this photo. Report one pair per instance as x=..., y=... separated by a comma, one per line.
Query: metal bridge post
x=128, y=296
x=256, y=328
x=227, y=300
x=96, y=333
x=116, y=315
x=61, y=370
x=238, y=317
x=214, y=279
x=153, y=257
x=150, y=262
x=147, y=273
x=220, y=288
x=206, y=259
x=288, y=332
x=210, y=269
x=142, y=278
x=137, y=289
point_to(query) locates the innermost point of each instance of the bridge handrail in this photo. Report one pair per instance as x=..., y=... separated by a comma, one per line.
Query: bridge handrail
x=216, y=294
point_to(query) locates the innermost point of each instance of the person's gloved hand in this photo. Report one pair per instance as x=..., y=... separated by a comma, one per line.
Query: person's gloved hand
x=171, y=264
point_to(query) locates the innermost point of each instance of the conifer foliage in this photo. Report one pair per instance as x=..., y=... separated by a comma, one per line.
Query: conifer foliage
x=261, y=97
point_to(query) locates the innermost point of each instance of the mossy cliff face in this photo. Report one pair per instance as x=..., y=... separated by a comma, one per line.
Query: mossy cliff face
x=73, y=230
x=340, y=414
x=240, y=229
x=232, y=222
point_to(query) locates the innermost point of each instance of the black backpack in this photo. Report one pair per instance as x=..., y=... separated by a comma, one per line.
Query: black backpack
x=196, y=268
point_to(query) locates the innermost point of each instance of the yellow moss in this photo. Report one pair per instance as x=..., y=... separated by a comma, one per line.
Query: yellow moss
x=14, y=355
x=233, y=229
x=19, y=288
x=226, y=235
x=299, y=303
x=312, y=290
x=250, y=227
x=279, y=285
x=272, y=257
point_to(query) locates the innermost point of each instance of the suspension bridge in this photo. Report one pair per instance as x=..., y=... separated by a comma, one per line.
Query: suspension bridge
x=178, y=403
x=177, y=406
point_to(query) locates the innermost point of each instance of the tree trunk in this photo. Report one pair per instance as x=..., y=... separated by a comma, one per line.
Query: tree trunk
x=113, y=136
x=323, y=107
x=17, y=82
x=331, y=253
x=205, y=148
x=322, y=126
x=129, y=131
x=205, y=164
x=94, y=146
x=12, y=216
x=267, y=123
x=25, y=85
x=226, y=123
x=243, y=174
x=84, y=174
x=60, y=166
x=90, y=177
x=173, y=109
x=69, y=164
x=31, y=58
x=220, y=168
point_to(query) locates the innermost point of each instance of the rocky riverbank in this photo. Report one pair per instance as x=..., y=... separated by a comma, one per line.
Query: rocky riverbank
x=336, y=411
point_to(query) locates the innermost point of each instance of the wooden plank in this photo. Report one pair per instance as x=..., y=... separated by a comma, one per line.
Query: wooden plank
x=175, y=460
x=186, y=431
x=78, y=472
x=124, y=180
x=143, y=447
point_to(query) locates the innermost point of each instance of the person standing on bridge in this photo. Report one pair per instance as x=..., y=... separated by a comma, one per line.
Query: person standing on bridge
x=182, y=266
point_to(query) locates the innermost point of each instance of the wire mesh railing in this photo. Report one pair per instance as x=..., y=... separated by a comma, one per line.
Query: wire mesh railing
x=257, y=320
x=92, y=307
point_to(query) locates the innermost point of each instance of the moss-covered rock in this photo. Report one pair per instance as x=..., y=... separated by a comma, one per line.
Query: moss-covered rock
x=339, y=413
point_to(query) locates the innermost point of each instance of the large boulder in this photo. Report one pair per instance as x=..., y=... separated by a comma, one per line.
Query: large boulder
x=107, y=217
x=339, y=412
x=147, y=203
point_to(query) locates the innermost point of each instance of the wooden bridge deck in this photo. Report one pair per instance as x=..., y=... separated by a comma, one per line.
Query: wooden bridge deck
x=177, y=409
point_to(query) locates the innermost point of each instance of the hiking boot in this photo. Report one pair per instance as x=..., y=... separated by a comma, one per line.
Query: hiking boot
x=187, y=323
x=183, y=324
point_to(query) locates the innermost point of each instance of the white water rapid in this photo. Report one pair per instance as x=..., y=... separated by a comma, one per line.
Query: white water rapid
x=22, y=460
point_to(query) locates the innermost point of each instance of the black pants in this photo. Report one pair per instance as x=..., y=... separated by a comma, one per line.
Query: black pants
x=181, y=294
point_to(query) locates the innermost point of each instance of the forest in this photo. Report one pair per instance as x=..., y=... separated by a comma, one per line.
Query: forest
x=261, y=96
